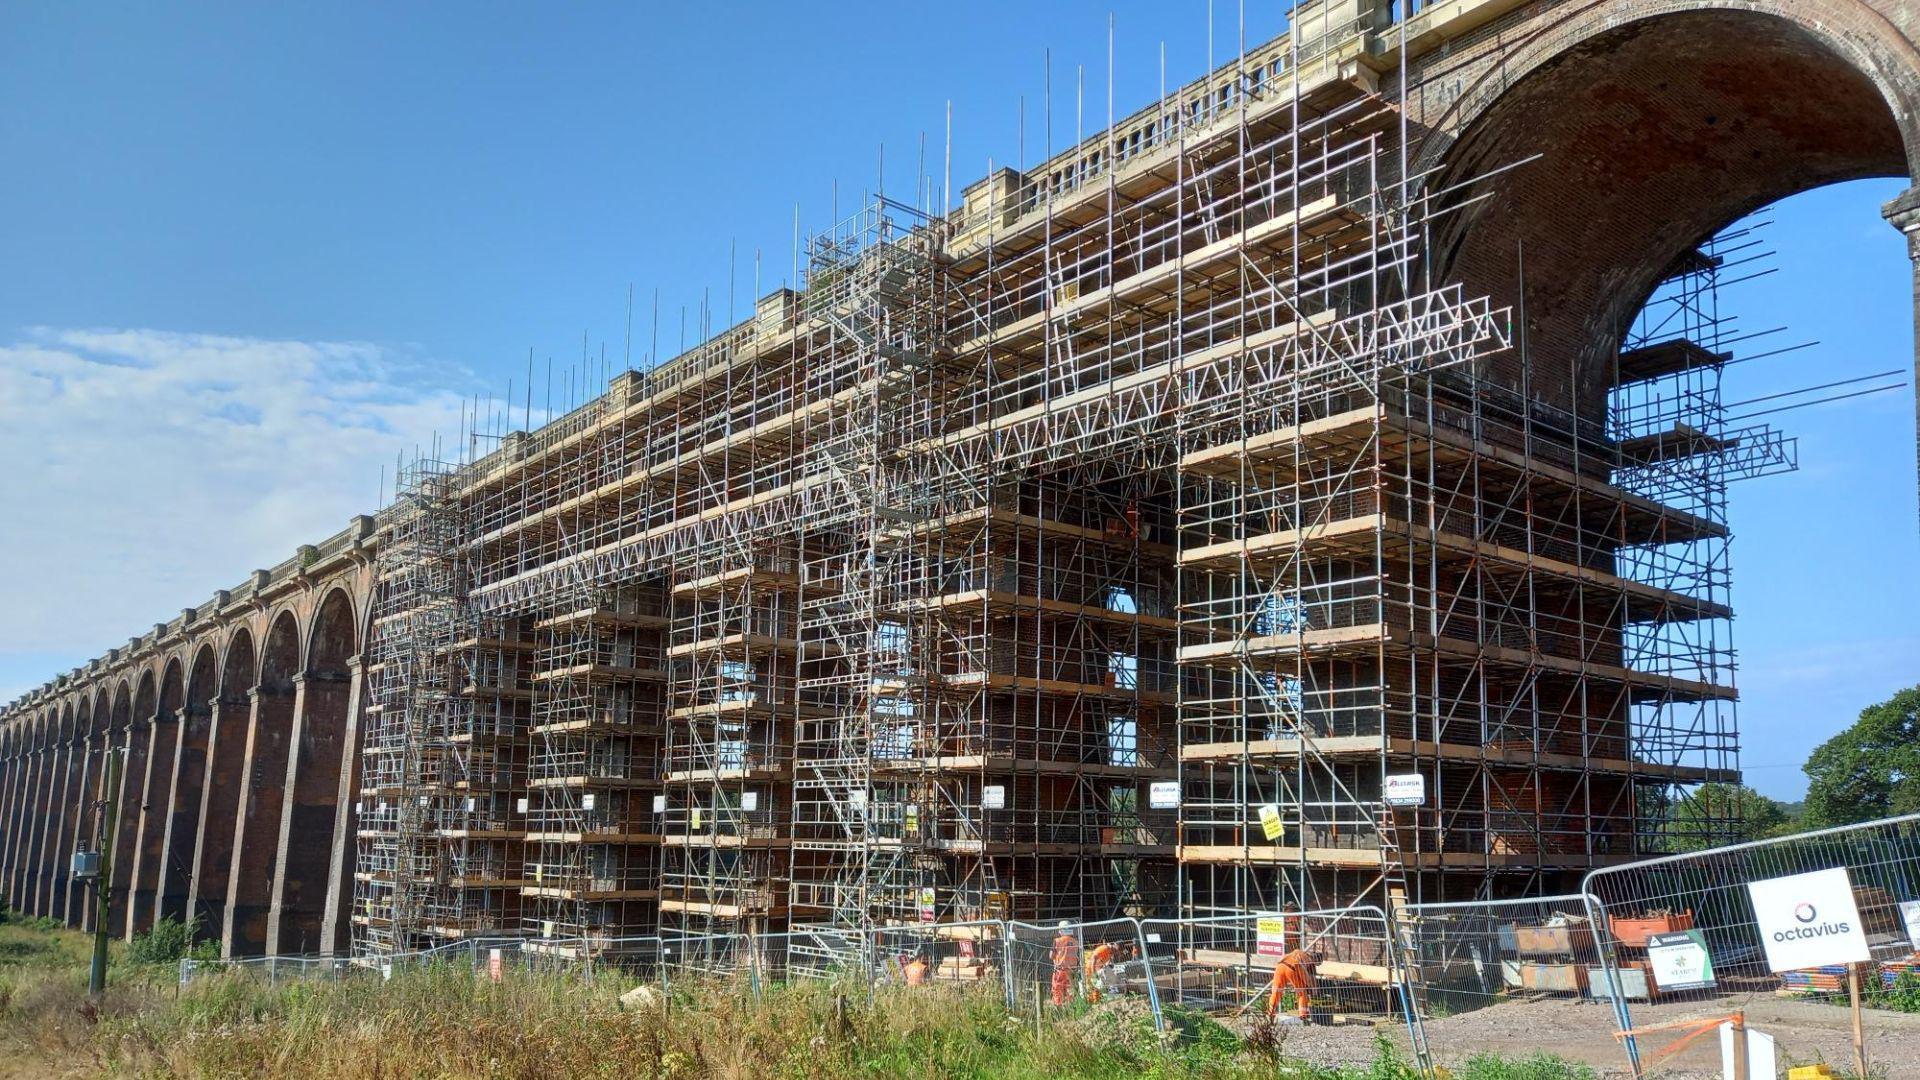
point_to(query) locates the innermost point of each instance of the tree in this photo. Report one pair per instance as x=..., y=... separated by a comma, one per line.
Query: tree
x=1872, y=769
x=1716, y=814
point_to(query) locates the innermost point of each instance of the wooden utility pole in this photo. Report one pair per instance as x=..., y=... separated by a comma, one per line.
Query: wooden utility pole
x=103, y=885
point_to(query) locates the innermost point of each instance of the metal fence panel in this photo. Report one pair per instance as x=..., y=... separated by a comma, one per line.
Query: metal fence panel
x=1506, y=975
x=1693, y=943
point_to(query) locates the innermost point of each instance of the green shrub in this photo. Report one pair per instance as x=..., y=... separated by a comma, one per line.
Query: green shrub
x=168, y=941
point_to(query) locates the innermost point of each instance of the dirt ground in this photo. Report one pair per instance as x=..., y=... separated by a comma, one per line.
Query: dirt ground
x=1805, y=1032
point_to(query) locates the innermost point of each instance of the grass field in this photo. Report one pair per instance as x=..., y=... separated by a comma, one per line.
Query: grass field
x=445, y=1022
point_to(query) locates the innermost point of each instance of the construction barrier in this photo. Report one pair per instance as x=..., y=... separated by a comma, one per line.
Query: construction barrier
x=1058, y=966
x=1787, y=931
x=1535, y=960
x=1657, y=954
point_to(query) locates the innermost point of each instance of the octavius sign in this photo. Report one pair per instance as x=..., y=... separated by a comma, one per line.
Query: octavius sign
x=1809, y=920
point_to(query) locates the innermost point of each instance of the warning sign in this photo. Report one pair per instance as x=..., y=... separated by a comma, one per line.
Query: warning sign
x=1270, y=825
x=926, y=903
x=1270, y=937
x=1680, y=960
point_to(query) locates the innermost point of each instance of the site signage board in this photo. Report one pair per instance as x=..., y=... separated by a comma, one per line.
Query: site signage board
x=1270, y=823
x=1270, y=937
x=1163, y=795
x=1680, y=960
x=1809, y=920
x=1910, y=914
x=1406, y=789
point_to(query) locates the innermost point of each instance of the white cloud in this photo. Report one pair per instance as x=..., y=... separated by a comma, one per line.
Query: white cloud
x=141, y=470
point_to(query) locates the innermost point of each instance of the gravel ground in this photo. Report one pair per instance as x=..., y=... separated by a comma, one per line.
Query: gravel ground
x=1805, y=1032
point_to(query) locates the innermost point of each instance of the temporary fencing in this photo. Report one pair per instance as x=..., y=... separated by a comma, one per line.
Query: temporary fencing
x=1799, y=916
x=1470, y=955
x=1058, y=965
x=1670, y=944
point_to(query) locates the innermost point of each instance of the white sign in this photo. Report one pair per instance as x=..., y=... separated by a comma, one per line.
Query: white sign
x=1910, y=911
x=1406, y=789
x=749, y=801
x=993, y=797
x=1164, y=795
x=1270, y=937
x=1680, y=960
x=1761, y=1060
x=520, y=806
x=659, y=804
x=1809, y=920
x=586, y=802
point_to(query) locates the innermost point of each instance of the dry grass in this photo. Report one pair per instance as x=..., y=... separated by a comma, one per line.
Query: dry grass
x=451, y=1022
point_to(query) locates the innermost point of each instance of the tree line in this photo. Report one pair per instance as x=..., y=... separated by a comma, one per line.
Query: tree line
x=1871, y=770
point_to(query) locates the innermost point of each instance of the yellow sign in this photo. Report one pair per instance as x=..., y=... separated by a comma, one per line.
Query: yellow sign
x=1270, y=821
x=696, y=817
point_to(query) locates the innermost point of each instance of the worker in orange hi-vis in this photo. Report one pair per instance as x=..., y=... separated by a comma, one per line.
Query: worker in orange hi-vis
x=1095, y=966
x=1294, y=972
x=1066, y=949
x=914, y=971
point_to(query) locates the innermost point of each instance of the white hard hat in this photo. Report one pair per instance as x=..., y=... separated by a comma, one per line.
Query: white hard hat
x=1065, y=925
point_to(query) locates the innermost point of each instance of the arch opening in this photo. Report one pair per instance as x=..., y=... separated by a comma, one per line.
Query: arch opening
x=1651, y=137
x=318, y=749
x=186, y=791
x=229, y=718
x=256, y=841
x=1638, y=145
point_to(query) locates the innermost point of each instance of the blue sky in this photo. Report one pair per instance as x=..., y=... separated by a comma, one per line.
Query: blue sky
x=254, y=252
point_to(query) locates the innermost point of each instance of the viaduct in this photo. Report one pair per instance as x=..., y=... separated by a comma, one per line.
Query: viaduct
x=1635, y=128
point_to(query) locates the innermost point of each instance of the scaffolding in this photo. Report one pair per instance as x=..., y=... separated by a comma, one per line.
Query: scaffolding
x=1095, y=549
x=593, y=837
x=443, y=774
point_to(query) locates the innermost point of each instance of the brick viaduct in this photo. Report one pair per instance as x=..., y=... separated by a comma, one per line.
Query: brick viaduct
x=1654, y=122
x=238, y=723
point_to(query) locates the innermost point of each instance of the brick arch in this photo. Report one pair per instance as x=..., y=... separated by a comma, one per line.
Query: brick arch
x=186, y=793
x=229, y=725
x=135, y=745
x=251, y=885
x=1656, y=125
x=323, y=733
x=154, y=786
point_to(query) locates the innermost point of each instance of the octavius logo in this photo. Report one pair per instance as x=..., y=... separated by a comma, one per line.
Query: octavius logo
x=1805, y=914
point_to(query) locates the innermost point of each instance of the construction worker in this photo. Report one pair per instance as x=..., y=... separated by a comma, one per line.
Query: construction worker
x=1066, y=951
x=915, y=970
x=1294, y=972
x=1100, y=966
